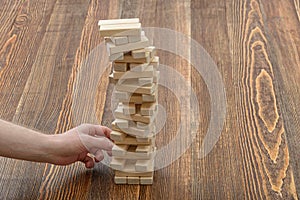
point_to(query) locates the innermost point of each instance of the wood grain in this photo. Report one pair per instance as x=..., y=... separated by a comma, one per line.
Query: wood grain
x=255, y=45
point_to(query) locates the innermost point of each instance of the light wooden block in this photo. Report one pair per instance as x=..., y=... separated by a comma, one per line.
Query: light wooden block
x=121, y=123
x=131, y=153
x=155, y=62
x=142, y=53
x=129, y=74
x=127, y=47
x=119, y=40
x=120, y=179
x=143, y=165
x=129, y=59
x=142, y=125
x=118, y=21
x=119, y=150
x=133, y=173
x=129, y=170
x=148, y=108
x=137, y=81
x=117, y=163
x=150, y=98
x=120, y=67
x=122, y=95
x=134, y=131
x=133, y=180
x=117, y=136
x=145, y=81
x=135, y=38
x=116, y=56
x=109, y=30
x=132, y=141
x=156, y=76
x=136, y=117
x=136, y=89
x=128, y=109
x=146, y=180
x=138, y=67
x=144, y=149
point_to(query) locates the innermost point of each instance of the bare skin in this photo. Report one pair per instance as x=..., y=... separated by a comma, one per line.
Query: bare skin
x=74, y=145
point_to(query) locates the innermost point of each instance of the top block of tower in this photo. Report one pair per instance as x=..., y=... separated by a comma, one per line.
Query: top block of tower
x=120, y=27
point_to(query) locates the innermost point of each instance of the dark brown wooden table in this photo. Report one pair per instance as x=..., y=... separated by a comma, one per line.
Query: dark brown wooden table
x=256, y=47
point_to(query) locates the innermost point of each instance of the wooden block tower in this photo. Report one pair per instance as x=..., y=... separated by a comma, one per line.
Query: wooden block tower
x=135, y=74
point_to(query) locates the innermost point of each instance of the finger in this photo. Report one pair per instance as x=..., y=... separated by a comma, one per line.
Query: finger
x=99, y=130
x=109, y=153
x=99, y=156
x=101, y=143
x=106, y=131
x=89, y=162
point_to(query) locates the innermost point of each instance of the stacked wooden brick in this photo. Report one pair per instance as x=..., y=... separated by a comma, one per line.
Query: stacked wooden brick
x=135, y=75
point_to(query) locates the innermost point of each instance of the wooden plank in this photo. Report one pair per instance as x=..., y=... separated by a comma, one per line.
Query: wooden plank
x=120, y=67
x=118, y=21
x=129, y=74
x=129, y=59
x=136, y=117
x=116, y=56
x=120, y=29
x=136, y=89
x=113, y=49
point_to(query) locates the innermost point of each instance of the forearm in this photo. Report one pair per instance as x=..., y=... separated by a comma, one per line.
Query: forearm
x=22, y=143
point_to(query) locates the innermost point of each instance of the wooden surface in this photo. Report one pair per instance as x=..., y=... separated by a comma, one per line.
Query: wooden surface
x=256, y=46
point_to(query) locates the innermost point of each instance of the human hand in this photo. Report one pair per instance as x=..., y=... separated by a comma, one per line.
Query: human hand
x=78, y=143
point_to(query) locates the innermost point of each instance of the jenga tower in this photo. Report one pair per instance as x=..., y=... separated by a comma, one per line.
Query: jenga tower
x=136, y=76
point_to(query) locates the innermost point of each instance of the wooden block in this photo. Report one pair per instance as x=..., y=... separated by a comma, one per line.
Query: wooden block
x=127, y=47
x=136, y=81
x=119, y=150
x=129, y=74
x=143, y=165
x=138, y=67
x=133, y=131
x=128, y=109
x=121, y=123
x=145, y=148
x=148, y=108
x=129, y=170
x=109, y=30
x=132, y=141
x=117, y=136
x=136, y=89
x=136, y=117
x=156, y=76
x=120, y=179
x=117, y=163
x=119, y=40
x=131, y=152
x=152, y=50
x=145, y=81
x=155, y=62
x=142, y=125
x=136, y=38
x=116, y=56
x=130, y=59
x=133, y=173
x=133, y=180
x=142, y=53
x=120, y=67
x=118, y=21
x=146, y=180
x=150, y=98
x=122, y=95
